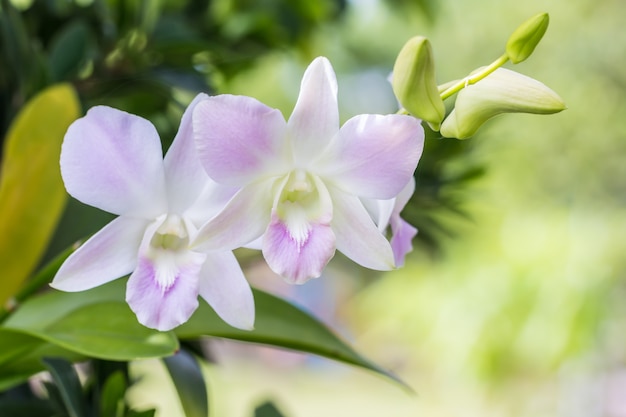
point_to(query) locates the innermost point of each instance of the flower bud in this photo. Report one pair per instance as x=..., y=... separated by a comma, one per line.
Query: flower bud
x=523, y=41
x=414, y=81
x=503, y=91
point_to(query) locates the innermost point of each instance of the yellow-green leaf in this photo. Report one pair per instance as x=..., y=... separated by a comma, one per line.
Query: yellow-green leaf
x=32, y=196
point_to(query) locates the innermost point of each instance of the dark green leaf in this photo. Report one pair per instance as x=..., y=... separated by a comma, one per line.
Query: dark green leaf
x=267, y=409
x=112, y=395
x=26, y=407
x=68, y=385
x=189, y=382
x=69, y=51
x=280, y=324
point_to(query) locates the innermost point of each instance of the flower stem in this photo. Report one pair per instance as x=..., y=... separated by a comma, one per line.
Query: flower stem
x=474, y=78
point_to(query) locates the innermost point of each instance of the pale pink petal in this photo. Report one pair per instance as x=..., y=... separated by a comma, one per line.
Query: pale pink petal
x=356, y=233
x=112, y=160
x=212, y=199
x=373, y=156
x=243, y=220
x=184, y=174
x=163, y=289
x=109, y=254
x=401, y=239
x=239, y=139
x=224, y=287
x=315, y=118
x=298, y=257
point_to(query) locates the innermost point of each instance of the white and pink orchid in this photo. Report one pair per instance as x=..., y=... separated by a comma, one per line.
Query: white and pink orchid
x=113, y=160
x=302, y=182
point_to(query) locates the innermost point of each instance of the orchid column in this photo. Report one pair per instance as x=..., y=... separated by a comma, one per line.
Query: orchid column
x=303, y=181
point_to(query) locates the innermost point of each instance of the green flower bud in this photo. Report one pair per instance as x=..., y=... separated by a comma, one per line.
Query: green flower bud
x=503, y=91
x=523, y=41
x=414, y=81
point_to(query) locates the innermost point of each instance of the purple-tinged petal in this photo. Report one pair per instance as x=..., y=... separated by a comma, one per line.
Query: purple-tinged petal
x=109, y=254
x=401, y=240
x=112, y=160
x=184, y=174
x=402, y=233
x=239, y=139
x=163, y=289
x=373, y=156
x=243, y=220
x=356, y=233
x=298, y=255
x=223, y=285
x=315, y=118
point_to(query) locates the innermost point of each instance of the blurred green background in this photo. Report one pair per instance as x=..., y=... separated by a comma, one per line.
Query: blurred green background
x=512, y=303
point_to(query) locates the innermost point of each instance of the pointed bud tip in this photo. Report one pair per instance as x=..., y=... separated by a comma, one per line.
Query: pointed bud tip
x=414, y=81
x=526, y=37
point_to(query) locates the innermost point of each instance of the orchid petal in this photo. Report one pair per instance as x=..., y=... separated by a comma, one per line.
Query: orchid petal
x=163, y=290
x=239, y=139
x=223, y=285
x=243, y=220
x=401, y=240
x=184, y=174
x=374, y=156
x=357, y=236
x=112, y=160
x=298, y=260
x=380, y=211
x=315, y=118
x=402, y=233
x=109, y=254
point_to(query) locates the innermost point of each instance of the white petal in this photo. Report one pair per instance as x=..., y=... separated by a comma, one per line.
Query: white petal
x=243, y=220
x=184, y=174
x=109, y=254
x=239, y=139
x=112, y=160
x=315, y=118
x=224, y=287
x=356, y=234
x=373, y=156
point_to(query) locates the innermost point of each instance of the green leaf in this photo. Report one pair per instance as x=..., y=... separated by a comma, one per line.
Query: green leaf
x=25, y=407
x=112, y=403
x=267, y=409
x=32, y=195
x=69, y=51
x=21, y=355
x=105, y=330
x=189, y=382
x=280, y=324
x=68, y=386
x=94, y=323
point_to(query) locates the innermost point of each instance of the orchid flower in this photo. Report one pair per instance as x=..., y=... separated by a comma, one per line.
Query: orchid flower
x=300, y=181
x=113, y=160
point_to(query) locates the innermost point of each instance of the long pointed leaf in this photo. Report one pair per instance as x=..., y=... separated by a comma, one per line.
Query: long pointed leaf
x=32, y=195
x=189, y=382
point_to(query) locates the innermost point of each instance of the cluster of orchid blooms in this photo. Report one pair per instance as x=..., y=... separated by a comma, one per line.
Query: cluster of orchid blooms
x=237, y=175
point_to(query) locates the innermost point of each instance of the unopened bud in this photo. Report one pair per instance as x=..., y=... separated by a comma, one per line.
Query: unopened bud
x=414, y=81
x=503, y=91
x=523, y=41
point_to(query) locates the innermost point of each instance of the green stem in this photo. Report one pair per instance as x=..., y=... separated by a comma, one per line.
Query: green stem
x=473, y=79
